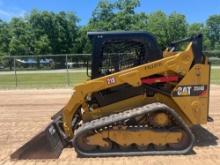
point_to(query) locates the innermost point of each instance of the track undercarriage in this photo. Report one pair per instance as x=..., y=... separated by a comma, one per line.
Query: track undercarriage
x=135, y=132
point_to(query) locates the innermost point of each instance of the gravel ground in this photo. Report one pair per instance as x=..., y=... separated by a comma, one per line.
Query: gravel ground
x=23, y=113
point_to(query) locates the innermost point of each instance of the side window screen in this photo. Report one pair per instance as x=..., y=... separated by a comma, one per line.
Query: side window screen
x=121, y=55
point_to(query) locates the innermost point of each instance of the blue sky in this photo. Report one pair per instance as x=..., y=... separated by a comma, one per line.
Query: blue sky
x=195, y=10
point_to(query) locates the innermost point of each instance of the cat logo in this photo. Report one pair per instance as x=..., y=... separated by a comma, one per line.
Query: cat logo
x=184, y=91
x=190, y=90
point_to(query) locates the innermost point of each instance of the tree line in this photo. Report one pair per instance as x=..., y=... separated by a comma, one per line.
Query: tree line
x=44, y=32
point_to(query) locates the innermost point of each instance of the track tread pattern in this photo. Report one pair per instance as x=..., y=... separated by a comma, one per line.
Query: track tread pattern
x=108, y=120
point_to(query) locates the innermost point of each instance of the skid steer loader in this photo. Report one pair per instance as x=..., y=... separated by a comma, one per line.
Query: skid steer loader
x=138, y=101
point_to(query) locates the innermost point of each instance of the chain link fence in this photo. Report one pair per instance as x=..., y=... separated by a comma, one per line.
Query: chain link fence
x=39, y=71
x=54, y=71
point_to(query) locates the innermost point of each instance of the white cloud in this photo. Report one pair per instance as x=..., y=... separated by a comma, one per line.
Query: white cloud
x=9, y=13
x=4, y=13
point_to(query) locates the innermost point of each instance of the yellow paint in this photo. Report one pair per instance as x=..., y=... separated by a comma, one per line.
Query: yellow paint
x=127, y=137
x=192, y=109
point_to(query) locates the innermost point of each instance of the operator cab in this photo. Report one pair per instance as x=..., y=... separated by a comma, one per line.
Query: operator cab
x=116, y=51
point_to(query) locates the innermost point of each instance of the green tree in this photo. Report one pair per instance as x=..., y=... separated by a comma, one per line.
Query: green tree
x=213, y=26
x=101, y=16
x=59, y=31
x=83, y=43
x=44, y=32
x=68, y=31
x=103, y=11
x=120, y=15
x=177, y=27
x=126, y=19
x=4, y=38
x=127, y=6
x=195, y=28
x=42, y=45
x=20, y=42
x=167, y=28
x=158, y=25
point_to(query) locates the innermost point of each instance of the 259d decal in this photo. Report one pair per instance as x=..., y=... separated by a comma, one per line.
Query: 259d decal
x=190, y=90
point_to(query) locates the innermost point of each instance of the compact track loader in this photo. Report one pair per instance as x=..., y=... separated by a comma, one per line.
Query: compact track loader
x=138, y=101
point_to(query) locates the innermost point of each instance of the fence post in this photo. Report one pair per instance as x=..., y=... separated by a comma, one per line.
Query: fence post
x=16, y=79
x=67, y=72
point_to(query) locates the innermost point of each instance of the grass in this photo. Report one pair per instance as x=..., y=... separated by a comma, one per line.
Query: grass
x=59, y=80
x=215, y=76
x=42, y=80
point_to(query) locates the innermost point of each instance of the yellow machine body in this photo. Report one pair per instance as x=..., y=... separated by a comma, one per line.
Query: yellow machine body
x=193, y=109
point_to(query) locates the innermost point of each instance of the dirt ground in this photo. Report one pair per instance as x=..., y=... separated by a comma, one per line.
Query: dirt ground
x=25, y=112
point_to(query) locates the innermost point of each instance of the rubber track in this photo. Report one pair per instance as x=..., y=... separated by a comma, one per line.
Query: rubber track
x=110, y=120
